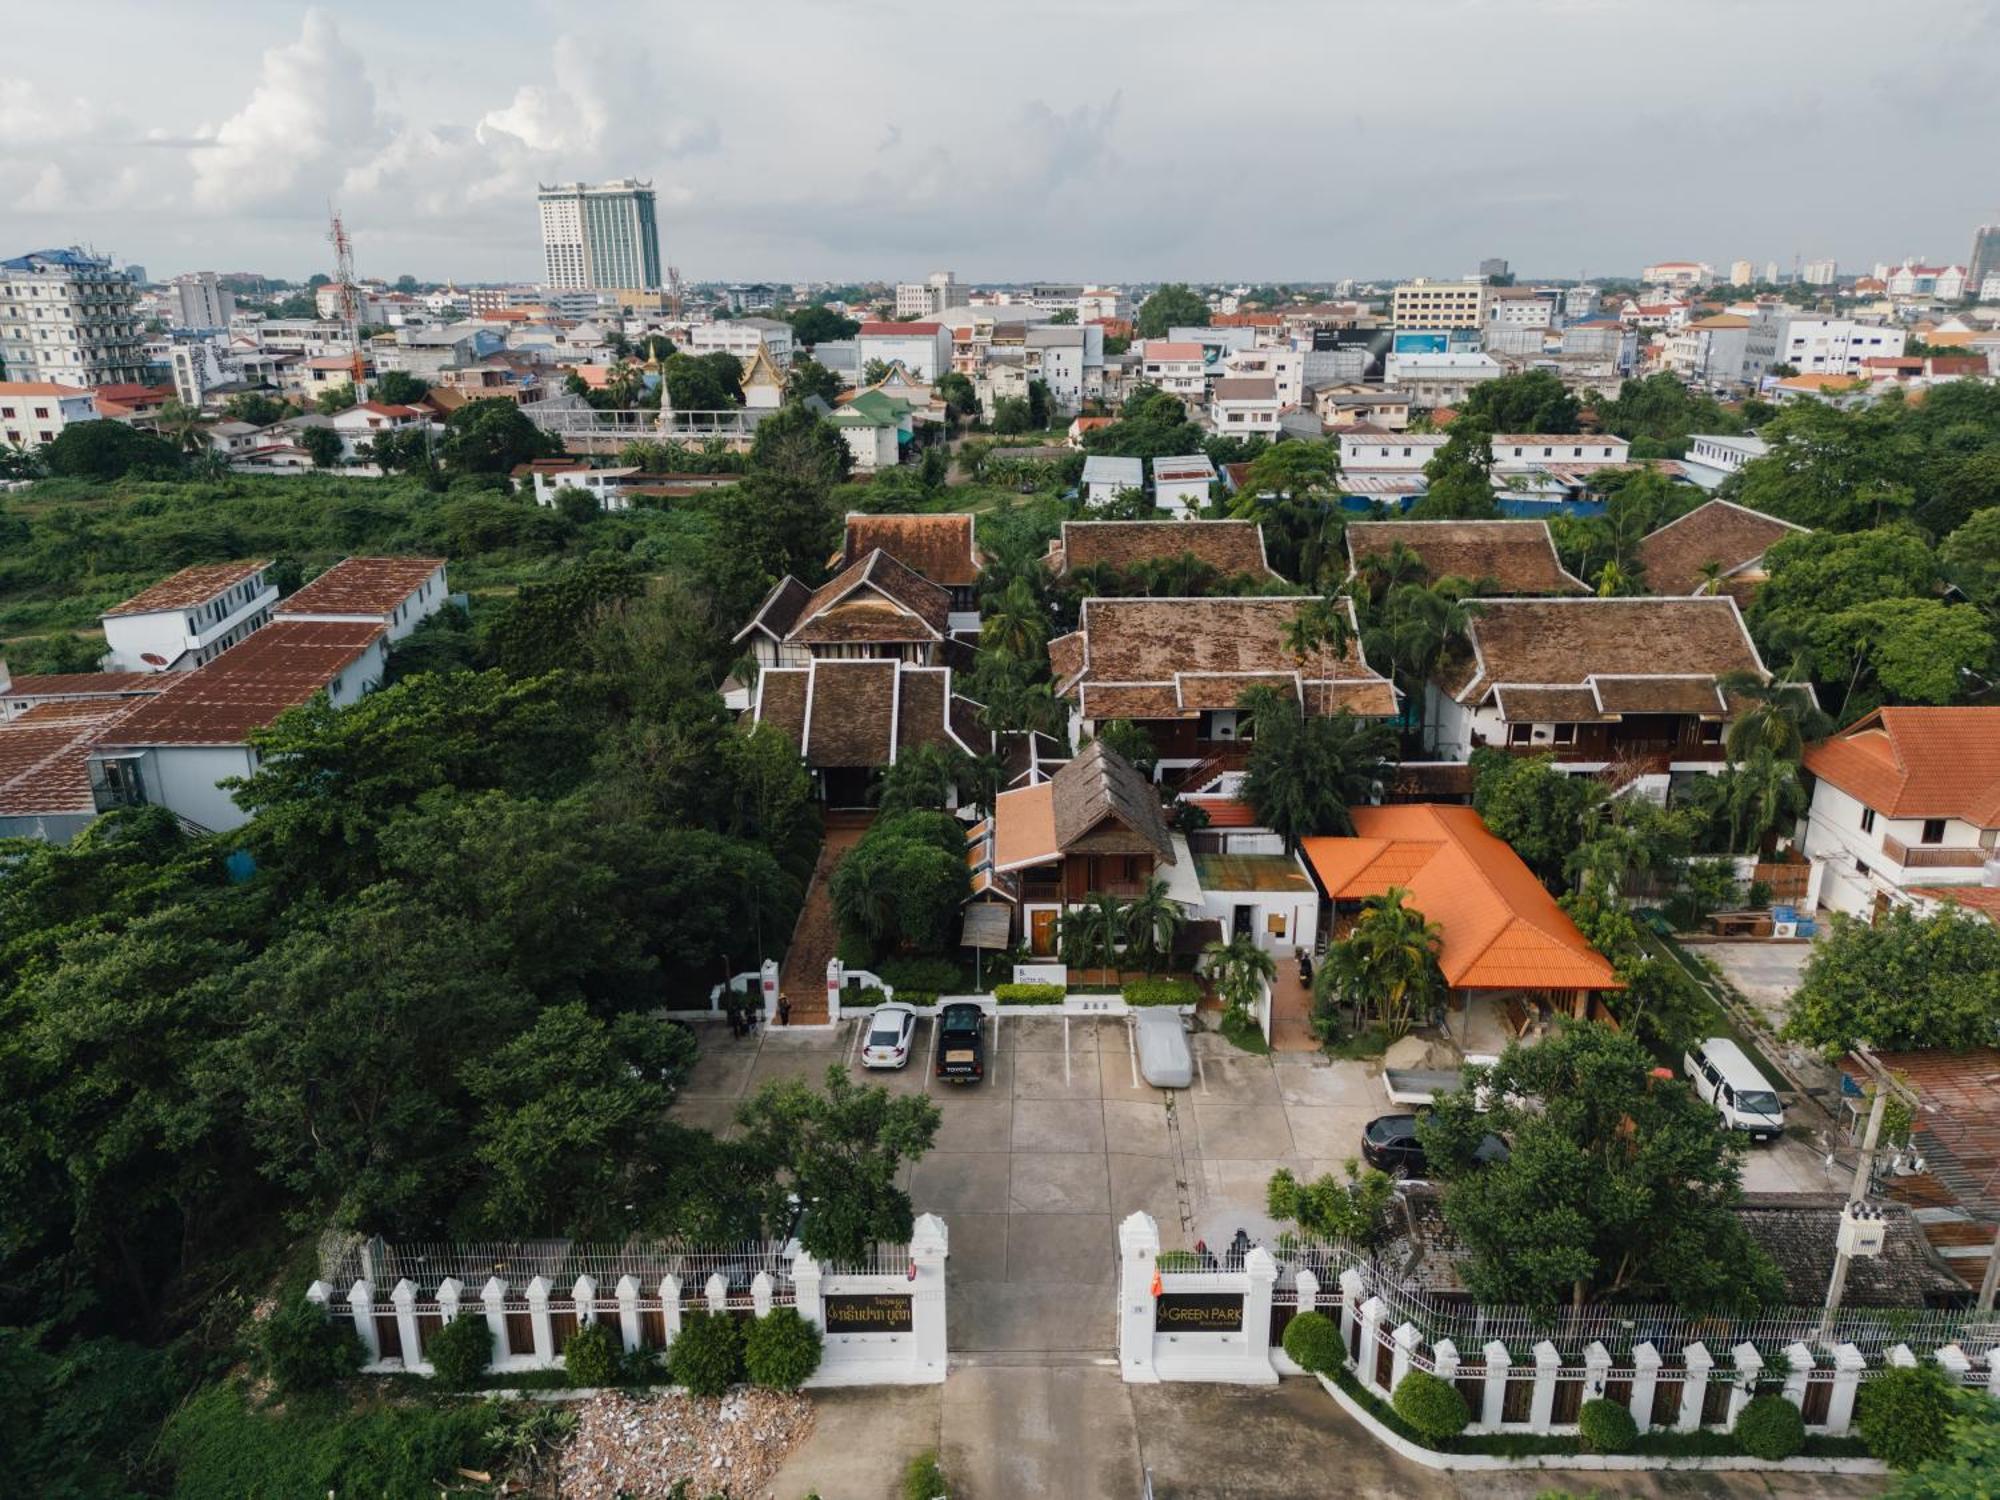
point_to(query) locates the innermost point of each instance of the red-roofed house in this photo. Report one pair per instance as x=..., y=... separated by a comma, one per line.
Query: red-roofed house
x=34, y=412
x=1176, y=367
x=1902, y=798
x=362, y=424
x=924, y=349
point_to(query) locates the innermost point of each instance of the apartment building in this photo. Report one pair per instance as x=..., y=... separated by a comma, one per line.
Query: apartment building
x=188, y=619
x=1175, y=366
x=34, y=412
x=69, y=317
x=743, y=337
x=1439, y=304
x=923, y=349
x=927, y=298
x=601, y=236
x=1709, y=352
x=1814, y=345
x=1244, y=404
x=198, y=300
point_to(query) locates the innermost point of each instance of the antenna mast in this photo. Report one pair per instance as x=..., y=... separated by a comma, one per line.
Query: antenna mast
x=350, y=301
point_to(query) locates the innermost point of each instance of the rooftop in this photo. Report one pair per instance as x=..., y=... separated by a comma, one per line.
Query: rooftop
x=1095, y=803
x=1536, y=644
x=1230, y=547
x=189, y=587
x=1246, y=388
x=1720, y=532
x=899, y=330
x=1918, y=763
x=1518, y=556
x=1168, y=350
x=864, y=713
x=875, y=599
x=1183, y=468
x=361, y=586
x=939, y=547
x=1501, y=927
x=40, y=388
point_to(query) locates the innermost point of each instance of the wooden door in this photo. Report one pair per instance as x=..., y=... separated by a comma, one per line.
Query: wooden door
x=1042, y=932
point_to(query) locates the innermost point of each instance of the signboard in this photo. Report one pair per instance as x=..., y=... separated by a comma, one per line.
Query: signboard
x=1042, y=974
x=1199, y=1312
x=987, y=925
x=870, y=1312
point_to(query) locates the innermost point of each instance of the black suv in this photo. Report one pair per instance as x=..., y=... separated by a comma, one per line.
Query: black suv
x=1389, y=1143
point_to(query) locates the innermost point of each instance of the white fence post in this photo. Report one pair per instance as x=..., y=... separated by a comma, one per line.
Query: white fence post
x=1444, y=1360
x=930, y=1248
x=1493, y=1406
x=1749, y=1365
x=1596, y=1369
x=1372, y=1312
x=584, y=1294
x=1548, y=1360
x=1993, y=1373
x=451, y=1298
x=404, y=1300
x=1138, y=1269
x=1352, y=1293
x=321, y=1294
x=715, y=1291
x=1646, y=1363
x=494, y=1296
x=1406, y=1339
x=760, y=1294
x=670, y=1307
x=1955, y=1364
x=631, y=1330
x=1848, y=1363
x=1901, y=1356
x=1262, y=1274
x=1799, y=1367
x=361, y=1308
x=835, y=974
x=768, y=980
x=1694, y=1388
x=538, y=1318
x=1307, y=1286
x=806, y=1299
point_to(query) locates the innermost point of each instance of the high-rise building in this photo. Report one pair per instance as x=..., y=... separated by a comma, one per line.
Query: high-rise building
x=1492, y=268
x=1741, y=272
x=600, y=237
x=1435, y=305
x=1771, y=272
x=1985, y=260
x=70, y=317
x=199, y=302
x=923, y=299
x=1819, y=273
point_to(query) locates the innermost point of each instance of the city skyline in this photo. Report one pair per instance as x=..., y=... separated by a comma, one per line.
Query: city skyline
x=826, y=154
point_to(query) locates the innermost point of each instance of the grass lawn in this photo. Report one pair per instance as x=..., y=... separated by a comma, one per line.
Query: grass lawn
x=1718, y=1019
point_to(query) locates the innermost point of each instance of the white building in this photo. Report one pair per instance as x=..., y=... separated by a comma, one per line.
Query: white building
x=1244, y=404
x=1945, y=283
x=395, y=593
x=67, y=316
x=1283, y=366
x=1518, y=307
x=1906, y=799
x=1372, y=450
x=1742, y=273
x=34, y=412
x=922, y=348
x=1434, y=380
x=188, y=619
x=197, y=300
x=1580, y=302
x=1819, y=273
x=927, y=298
x=364, y=423
x=1105, y=477
x=1814, y=345
x=1181, y=485
x=604, y=236
x=1709, y=352
x=1518, y=452
x=1174, y=366
x=1424, y=304
x=1713, y=456
x=743, y=337
x=1681, y=275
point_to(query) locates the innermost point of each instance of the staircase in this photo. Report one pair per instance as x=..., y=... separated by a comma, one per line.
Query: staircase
x=816, y=936
x=1217, y=763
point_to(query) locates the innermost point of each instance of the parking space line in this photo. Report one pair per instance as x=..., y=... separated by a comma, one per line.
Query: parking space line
x=930, y=1056
x=1201, y=1072
x=1132, y=1051
x=1065, y=1051
x=860, y=1034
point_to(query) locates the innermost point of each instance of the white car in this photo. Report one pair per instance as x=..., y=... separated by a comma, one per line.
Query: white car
x=889, y=1031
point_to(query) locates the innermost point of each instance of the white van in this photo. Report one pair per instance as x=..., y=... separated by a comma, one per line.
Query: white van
x=1723, y=1075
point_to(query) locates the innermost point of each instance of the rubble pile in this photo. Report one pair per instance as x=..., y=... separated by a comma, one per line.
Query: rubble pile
x=639, y=1446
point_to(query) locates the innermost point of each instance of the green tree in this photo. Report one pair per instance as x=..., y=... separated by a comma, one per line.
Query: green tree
x=1458, y=484
x=1963, y=1465
x=1532, y=401
x=703, y=382
x=399, y=388
x=1305, y=772
x=1173, y=305
x=958, y=395
x=323, y=443
x=1781, y=718
x=256, y=408
x=1904, y=982
x=923, y=776
x=1542, y=813
x=1354, y=1211
x=493, y=437
x=334, y=400
x=1130, y=742
x=874, y=372
x=809, y=377
x=1971, y=558
x=798, y=446
x=1153, y=919
x=1387, y=967
x=1617, y=1182
x=1012, y=415
x=108, y=450
x=1238, y=970
x=840, y=1150
x=820, y=325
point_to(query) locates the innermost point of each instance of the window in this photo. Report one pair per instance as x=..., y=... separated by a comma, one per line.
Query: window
x=1564, y=734
x=1933, y=831
x=1520, y=734
x=1867, y=820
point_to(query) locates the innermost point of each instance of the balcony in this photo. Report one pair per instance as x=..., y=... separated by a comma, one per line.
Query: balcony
x=1929, y=858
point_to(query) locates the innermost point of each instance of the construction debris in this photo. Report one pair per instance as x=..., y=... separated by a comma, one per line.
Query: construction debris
x=640, y=1446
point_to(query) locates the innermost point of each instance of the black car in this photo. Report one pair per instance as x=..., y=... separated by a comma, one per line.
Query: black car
x=1389, y=1143
x=961, y=1044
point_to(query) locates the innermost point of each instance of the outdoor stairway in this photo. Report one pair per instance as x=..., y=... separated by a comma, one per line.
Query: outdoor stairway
x=816, y=937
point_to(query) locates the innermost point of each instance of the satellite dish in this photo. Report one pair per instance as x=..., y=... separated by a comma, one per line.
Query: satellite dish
x=152, y=659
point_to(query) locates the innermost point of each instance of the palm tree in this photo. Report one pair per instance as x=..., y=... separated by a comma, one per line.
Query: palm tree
x=1782, y=718
x=1711, y=578
x=1319, y=624
x=1613, y=579
x=1388, y=570
x=1764, y=797
x=1152, y=920
x=182, y=425
x=1237, y=969
x=1417, y=624
x=1016, y=624
x=1090, y=934
x=1304, y=773
x=1395, y=953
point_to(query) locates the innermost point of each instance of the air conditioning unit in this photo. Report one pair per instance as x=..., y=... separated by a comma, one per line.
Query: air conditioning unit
x=1863, y=1230
x=1784, y=929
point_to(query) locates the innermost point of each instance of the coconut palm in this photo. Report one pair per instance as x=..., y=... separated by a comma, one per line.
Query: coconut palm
x=1388, y=570
x=1089, y=935
x=1765, y=797
x=182, y=425
x=1152, y=920
x=1394, y=952
x=1320, y=624
x=1613, y=579
x=1304, y=773
x=1016, y=625
x=1416, y=624
x=1782, y=717
x=1711, y=578
x=1237, y=969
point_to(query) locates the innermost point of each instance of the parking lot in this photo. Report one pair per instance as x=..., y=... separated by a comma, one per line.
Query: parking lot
x=1035, y=1166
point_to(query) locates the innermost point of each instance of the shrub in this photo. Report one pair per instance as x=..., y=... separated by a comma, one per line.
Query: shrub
x=901, y=972
x=640, y=1366
x=461, y=1350
x=707, y=1356
x=918, y=998
x=855, y=951
x=305, y=1350
x=590, y=1358
x=1178, y=1260
x=1904, y=1414
x=1029, y=994
x=782, y=1350
x=1161, y=991
x=924, y=1480
x=1433, y=1407
x=1606, y=1427
x=1769, y=1426
x=1313, y=1341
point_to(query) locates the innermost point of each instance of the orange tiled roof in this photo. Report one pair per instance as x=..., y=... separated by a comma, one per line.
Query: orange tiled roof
x=1918, y=763
x=1502, y=929
x=1984, y=899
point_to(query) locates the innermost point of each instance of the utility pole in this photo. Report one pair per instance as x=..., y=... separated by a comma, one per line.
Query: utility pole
x=350, y=302
x=1852, y=1211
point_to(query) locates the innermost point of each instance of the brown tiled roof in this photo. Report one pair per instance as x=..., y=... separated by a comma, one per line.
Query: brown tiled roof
x=1245, y=388
x=84, y=685
x=1165, y=643
x=1565, y=642
x=875, y=599
x=781, y=701
x=867, y=712
x=1548, y=705
x=1230, y=547
x=1800, y=1232
x=245, y=688
x=1918, y=763
x=1200, y=690
x=1658, y=695
x=1100, y=785
x=368, y=586
x=44, y=763
x=851, y=713
x=1984, y=899
x=1518, y=556
x=190, y=586
x=780, y=609
x=1066, y=656
x=1117, y=701
x=938, y=547
x=1720, y=532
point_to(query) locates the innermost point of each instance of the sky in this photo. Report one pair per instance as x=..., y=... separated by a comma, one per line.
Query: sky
x=1079, y=140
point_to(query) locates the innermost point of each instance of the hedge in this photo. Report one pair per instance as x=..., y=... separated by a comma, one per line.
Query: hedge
x=1904, y=1414
x=1313, y=1341
x=461, y=1350
x=1029, y=994
x=941, y=975
x=305, y=1350
x=1435, y=1408
x=1161, y=992
x=781, y=1350
x=707, y=1354
x=1606, y=1427
x=1769, y=1426
x=592, y=1356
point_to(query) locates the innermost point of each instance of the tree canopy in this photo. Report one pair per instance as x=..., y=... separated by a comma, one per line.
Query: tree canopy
x=1174, y=305
x=1902, y=982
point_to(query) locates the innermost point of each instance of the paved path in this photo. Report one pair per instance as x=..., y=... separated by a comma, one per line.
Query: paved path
x=1291, y=1011
x=802, y=979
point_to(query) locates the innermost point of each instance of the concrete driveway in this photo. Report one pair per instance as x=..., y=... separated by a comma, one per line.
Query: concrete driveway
x=1765, y=973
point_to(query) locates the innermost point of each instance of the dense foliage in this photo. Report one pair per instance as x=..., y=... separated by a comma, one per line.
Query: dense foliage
x=1770, y=1427
x=1435, y=1408
x=781, y=1349
x=1606, y=1426
x=1313, y=1341
x=1904, y=1414
x=706, y=1358
x=1905, y=981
